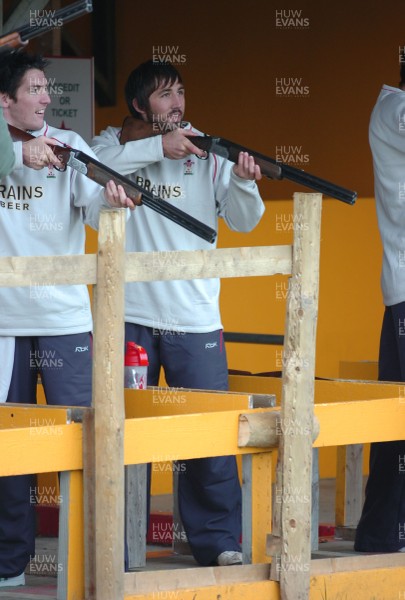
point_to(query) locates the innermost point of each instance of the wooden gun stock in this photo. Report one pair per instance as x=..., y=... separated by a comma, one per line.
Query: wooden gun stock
x=11, y=41
x=136, y=129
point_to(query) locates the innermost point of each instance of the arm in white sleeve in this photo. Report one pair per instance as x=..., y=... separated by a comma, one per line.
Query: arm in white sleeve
x=7, y=158
x=89, y=196
x=18, y=153
x=126, y=158
x=91, y=199
x=239, y=201
x=86, y=194
x=390, y=125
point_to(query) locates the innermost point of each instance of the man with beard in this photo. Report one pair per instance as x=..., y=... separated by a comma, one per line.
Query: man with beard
x=178, y=322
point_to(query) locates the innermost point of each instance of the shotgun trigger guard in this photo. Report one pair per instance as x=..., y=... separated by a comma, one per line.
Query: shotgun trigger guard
x=77, y=164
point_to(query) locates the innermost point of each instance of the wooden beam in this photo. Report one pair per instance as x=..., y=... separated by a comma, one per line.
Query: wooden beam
x=347, y=580
x=360, y=422
x=259, y=430
x=180, y=545
x=255, y=384
x=58, y=447
x=47, y=270
x=247, y=511
x=349, y=485
x=223, y=262
x=379, y=584
x=315, y=501
x=326, y=390
x=34, y=415
x=165, y=401
x=136, y=490
x=369, y=577
x=293, y=521
x=183, y=436
x=89, y=492
x=261, y=504
x=357, y=562
x=340, y=390
x=70, y=542
x=149, y=266
x=164, y=580
x=109, y=413
x=264, y=430
x=42, y=449
x=260, y=590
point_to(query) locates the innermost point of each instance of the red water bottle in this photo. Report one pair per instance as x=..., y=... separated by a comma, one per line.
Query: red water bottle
x=136, y=367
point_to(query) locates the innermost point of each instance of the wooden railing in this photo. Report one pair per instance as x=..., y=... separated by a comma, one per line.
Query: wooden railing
x=92, y=447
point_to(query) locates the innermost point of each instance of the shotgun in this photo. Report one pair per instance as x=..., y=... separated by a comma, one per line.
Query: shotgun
x=95, y=170
x=134, y=129
x=44, y=22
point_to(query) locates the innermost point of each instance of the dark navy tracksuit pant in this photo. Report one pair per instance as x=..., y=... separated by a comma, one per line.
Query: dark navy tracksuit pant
x=382, y=523
x=209, y=489
x=64, y=363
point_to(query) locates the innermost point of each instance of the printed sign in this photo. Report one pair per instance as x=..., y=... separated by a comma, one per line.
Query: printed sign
x=71, y=88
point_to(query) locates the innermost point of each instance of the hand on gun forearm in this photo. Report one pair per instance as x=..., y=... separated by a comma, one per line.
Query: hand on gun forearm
x=247, y=168
x=39, y=153
x=176, y=144
x=116, y=196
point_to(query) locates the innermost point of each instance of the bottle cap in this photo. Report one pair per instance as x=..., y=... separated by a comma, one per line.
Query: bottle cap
x=135, y=356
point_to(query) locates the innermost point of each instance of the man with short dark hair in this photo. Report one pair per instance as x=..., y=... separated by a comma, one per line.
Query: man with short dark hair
x=178, y=322
x=382, y=524
x=43, y=329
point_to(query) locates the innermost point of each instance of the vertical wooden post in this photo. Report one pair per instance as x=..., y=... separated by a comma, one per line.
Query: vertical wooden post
x=106, y=505
x=89, y=509
x=315, y=501
x=349, y=489
x=70, y=542
x=247, y=512
x=180, y=544
x=256, y=508
x=136, y=514
x=292, y=565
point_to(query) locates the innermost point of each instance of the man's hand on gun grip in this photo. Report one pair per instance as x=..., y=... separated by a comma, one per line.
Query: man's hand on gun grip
x=176, y=145
x=39, y=153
